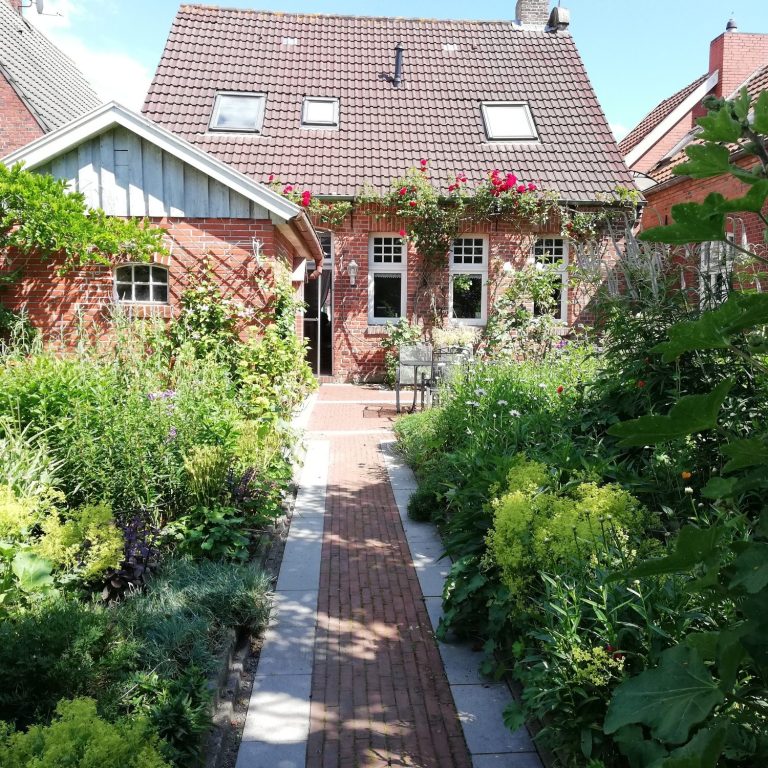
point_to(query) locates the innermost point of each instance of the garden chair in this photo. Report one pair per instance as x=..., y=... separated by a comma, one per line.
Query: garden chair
x=447, y=363
x=413, y=367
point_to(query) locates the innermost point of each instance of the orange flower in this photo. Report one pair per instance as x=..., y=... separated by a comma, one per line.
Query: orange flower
x=686, y=475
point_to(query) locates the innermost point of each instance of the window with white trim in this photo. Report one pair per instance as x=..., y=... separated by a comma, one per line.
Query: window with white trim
x=508, y=121
x=141, y=284
x=387, y=279
x=319, y=113
x=553, y=252
x=715, y=271
x=238, y=112
x=467, y=294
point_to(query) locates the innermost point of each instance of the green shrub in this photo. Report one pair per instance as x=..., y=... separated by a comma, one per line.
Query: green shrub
x=86, y=542
x=273, y=374
x=18, y=516
x=537, y=532
x=58, y=648
x=79, y=737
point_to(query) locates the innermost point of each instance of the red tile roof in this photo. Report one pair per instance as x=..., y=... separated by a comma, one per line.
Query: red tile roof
x=385, y=130
x=755, y=84
x=656, y=115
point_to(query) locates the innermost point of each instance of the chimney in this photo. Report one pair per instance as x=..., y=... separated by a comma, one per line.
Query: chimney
x=16, y=5
x=736, y=55
x=532, y=13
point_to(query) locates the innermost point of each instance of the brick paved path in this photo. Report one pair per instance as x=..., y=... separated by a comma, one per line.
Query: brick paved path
x=379, y=693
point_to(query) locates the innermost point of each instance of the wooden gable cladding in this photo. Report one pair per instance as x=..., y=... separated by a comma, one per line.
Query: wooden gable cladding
x=126, y=175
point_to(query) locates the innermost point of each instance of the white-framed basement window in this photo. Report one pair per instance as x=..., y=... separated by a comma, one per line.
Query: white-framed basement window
x=387, y=278
x=715, y=272
x=553, y=252
x=141, y=284
x=467, y=293
x=238, y=112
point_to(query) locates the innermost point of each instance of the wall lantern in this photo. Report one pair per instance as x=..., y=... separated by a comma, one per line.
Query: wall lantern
x=352, y=270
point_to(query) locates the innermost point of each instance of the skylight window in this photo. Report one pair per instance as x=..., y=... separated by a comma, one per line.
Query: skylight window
x=238, y=112
x=320, y=113
x=508, y=121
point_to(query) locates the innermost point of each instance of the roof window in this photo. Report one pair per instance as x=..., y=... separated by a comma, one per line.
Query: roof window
x=508, y=121
x=320, y=113
x=242, y=112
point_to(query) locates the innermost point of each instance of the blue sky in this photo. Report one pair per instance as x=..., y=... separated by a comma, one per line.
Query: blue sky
x=636, y=52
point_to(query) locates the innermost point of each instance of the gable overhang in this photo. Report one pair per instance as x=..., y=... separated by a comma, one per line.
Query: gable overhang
x=46, y=148
x=671, y=120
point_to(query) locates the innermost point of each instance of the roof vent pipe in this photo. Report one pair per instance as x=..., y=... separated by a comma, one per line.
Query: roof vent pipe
x=398, y=78
x=731, y=26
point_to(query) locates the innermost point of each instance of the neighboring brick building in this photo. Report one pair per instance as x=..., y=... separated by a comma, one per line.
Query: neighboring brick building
x=334, y=103
x=214, y=217
x=657, y=145
x=40, y=88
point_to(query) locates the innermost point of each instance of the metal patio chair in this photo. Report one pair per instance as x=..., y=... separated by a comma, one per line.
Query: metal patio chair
x=413, y=367
x=447, y=364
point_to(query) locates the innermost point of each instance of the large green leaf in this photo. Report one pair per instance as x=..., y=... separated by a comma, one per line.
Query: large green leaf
x=694, y=546
x=691, y=414
x=640, y=752
x=751, y=566
x=32, y=571
x=704, y=161
x=719, y=126
x=753, y=201
x=670, y=699
x=715, y=328
x=702, y=751
x=760, y=123
x=745, y=453
x=693, y=223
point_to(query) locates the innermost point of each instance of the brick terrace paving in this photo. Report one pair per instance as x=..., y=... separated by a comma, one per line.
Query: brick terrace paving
x=380, y=696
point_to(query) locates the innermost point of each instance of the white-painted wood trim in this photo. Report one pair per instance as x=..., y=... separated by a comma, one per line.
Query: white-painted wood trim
x=80, y=131
x=671, y=120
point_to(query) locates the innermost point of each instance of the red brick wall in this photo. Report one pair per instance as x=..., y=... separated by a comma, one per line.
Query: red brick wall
x=56, y=305
x=17, y=126
x=357, y=353
x=659, y=208
x=664, y=144
x=736, y=55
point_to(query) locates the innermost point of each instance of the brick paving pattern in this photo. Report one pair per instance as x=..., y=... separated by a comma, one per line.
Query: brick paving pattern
x=379, y=693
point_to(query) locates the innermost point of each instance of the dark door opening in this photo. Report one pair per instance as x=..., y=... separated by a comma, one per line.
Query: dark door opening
x=318, y=328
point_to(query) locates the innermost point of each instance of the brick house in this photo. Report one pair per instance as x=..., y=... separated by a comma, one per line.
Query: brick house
x=41, y=89
x=338, y=103
x=215, y=218
x=657, y=144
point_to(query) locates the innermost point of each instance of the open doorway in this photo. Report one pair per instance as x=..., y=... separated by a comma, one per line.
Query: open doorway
x=318, y=318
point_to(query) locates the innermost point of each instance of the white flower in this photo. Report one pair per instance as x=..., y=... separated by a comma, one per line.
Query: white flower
x=688, y=489
x=502, y=402
x=542, y=386
x=480, y=392
x=513, y=412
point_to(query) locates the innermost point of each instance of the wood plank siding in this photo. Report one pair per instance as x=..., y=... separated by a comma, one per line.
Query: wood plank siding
x=125, y=175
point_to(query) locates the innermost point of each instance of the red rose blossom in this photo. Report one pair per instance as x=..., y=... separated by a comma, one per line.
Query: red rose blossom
x=271, y=177
x=403, y=191
x=306, y=197
x=287, y=189
x=639, y=383
x=521, y=187
x=560, y=389
x=531, y=187
x=413, y=203
x=401, y=233
x=423, y=162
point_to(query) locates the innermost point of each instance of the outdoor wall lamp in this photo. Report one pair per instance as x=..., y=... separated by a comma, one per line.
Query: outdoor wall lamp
x=352, y=270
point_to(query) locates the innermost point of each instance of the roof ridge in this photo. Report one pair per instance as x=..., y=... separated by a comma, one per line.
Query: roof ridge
x=256, y=11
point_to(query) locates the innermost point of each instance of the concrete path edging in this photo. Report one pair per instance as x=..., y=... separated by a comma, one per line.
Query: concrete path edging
x=479, y=703
x=277, y=724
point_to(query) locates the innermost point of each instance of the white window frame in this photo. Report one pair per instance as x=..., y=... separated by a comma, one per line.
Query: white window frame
x=318, y=124
x=532, y=136
x=710, y=274
x=256, y=128
x=388, y=268
x=470, y=270
x=328, y=257
x=134, y=283
x=562, y=269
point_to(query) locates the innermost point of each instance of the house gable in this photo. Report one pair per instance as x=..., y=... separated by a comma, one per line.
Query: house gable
x=17, y=123
x=128, y=166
